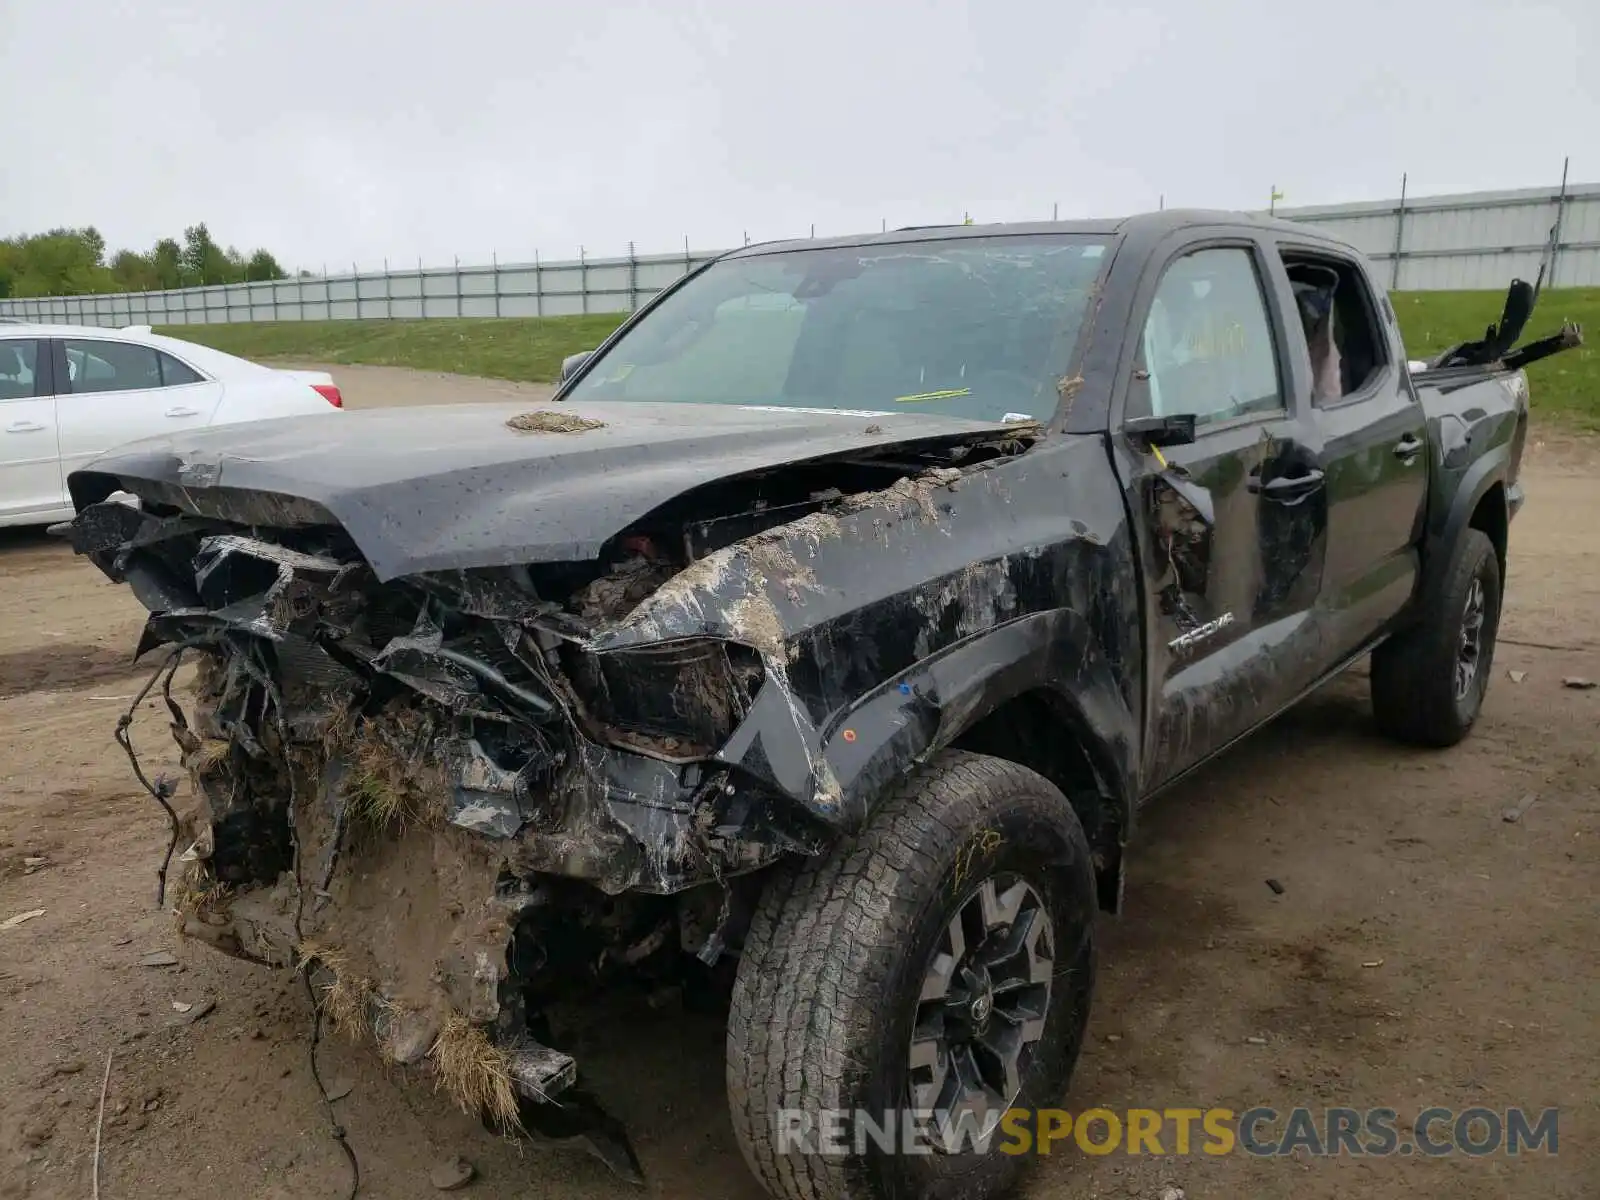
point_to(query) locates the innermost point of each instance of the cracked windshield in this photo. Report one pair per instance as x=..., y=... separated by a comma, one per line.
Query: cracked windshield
x=980, y=328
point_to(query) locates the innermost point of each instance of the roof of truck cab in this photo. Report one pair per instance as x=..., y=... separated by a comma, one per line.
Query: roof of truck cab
x=1150, y=225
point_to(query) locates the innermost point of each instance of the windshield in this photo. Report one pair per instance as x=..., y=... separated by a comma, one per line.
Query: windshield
x=982, y=328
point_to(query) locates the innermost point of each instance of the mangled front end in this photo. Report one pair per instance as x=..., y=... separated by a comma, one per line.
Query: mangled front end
x=458, y=797
x=449, y=796
x=461, y=797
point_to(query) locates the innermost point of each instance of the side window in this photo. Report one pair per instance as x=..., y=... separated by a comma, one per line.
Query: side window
x=175, y=373
x=111, y=367
x=1344, y=335
x=1208, y=347
x=18, y=360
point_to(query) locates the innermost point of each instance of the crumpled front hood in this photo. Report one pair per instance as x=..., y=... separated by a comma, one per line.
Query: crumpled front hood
x=454, y=487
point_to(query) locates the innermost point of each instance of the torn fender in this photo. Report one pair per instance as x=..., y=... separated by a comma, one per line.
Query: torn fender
x=919, y=712
x=888, y=627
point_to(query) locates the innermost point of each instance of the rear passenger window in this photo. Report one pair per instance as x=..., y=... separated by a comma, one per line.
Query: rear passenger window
x=175, y=373
x=1344, y=334
x=111, y=367
x=1208, y=348
x=18, y=361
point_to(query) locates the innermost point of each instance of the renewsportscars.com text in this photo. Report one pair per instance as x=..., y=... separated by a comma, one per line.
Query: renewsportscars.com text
x=1260, y=1132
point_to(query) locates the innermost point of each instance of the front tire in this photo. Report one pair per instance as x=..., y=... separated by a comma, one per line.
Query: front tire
x=942, y=959
x=1429, y=681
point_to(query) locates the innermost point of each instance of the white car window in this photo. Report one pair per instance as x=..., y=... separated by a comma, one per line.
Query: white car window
x=175, y=373
x=18, y=358
x=111, y=367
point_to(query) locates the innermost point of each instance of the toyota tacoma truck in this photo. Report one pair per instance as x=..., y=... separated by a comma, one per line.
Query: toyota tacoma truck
x=822, y=636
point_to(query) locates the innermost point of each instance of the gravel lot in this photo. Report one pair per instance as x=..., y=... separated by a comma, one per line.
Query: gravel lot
x=1487, y=992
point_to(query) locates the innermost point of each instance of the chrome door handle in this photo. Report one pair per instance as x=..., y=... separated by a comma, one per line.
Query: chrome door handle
x=24, y=427
x=183, y=412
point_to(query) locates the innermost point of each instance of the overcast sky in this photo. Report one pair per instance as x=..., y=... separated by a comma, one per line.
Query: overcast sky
x=333, y=131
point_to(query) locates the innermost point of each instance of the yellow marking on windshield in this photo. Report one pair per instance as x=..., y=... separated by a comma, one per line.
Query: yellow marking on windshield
x=946, y=394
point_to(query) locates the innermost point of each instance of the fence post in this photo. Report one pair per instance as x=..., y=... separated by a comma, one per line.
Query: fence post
x=583, y=278
x=538, y=285
x=388, y=295
x=494, y=272
x=457, y=257
x=633, y=280
x=688, y=262
x=1555, y=236
x=1399, y=234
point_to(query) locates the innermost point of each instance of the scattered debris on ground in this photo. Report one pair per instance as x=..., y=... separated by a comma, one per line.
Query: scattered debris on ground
x=453, y=1174
x=21, y=918
x=189, y=1013
x=1519, y=810
x=159, y=958
x=1578, y=683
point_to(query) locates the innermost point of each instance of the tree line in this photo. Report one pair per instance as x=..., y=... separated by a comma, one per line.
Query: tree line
x=72, y=262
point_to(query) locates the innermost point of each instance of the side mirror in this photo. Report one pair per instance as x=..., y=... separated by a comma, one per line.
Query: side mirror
x=1176, y=430
x=573, y=363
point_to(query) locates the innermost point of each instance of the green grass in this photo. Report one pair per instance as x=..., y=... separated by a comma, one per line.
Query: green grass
x=500, y=348
x=1566, y=387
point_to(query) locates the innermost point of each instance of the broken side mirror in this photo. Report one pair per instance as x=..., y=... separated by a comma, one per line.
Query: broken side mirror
x=1177, y=429
x=573, y=363
x=1174, y=430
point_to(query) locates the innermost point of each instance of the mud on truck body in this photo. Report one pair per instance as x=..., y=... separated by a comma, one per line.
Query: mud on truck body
x=826, y=630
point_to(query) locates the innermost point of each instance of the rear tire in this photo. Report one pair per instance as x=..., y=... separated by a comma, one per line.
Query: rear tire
x=955, y=931
x=1429, y=680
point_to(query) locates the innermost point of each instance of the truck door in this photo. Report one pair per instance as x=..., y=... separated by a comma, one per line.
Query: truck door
x=1228, y=592
x=1368, y=435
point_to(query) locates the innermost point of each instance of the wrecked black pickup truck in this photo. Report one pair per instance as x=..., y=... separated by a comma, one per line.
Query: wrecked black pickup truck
x=824, y=633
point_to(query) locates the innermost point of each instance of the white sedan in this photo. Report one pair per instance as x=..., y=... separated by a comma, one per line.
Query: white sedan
x=68, y=393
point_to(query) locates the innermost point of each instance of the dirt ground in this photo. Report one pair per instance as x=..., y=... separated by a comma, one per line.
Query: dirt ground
x=1487, y=989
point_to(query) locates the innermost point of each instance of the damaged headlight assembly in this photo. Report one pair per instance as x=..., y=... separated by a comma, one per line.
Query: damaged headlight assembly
x=676, y=700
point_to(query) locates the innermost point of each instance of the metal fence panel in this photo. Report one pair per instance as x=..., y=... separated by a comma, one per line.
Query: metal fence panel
x=1476, y=241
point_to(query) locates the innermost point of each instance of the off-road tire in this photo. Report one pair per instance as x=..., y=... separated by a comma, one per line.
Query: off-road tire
x=834, y=961
x=1414, y=685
